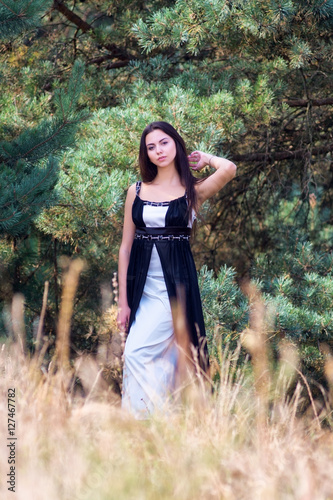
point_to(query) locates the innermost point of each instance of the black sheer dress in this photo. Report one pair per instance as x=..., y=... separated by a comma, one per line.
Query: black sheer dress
x=161, y=243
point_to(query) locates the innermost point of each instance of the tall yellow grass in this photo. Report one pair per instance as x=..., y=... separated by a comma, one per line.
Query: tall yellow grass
x=242, y=441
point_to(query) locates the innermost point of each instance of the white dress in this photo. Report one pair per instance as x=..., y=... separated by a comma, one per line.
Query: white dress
x=150, y=356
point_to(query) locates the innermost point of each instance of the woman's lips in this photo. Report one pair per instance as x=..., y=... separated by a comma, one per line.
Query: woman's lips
x=161, y=158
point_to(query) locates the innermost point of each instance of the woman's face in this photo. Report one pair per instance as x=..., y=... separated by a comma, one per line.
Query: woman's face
x=161, y=148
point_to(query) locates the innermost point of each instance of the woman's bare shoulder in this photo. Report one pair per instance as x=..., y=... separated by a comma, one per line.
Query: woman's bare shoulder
x=131, y=194
x=132, y=190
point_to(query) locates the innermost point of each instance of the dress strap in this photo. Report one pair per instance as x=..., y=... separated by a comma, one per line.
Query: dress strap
x=138, y=187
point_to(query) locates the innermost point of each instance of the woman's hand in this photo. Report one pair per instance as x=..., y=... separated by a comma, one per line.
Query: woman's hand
x=123, y=318
x=198, y=160
x=225, y=170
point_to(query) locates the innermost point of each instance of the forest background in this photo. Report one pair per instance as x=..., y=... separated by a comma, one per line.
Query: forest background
x=248, y=80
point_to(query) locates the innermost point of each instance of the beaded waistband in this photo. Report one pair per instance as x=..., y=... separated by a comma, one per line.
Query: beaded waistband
x=165, y=233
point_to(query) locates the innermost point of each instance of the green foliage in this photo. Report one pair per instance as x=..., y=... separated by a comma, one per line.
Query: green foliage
x=299, y=284
x=225, y=308
x=296, y=283
x=23, y=198
x=19, y=16
x=28, y=167
x=188, y=23
x=196, y=23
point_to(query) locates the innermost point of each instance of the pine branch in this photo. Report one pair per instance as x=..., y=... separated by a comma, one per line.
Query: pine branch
x=115, y=65
x=117, y=52
x=282, y=155
x=16, y=17
x=72, y=17
x=101, y=59
x=50, y=138
x=11, y=10
x=27, y=184
x=295, y=103
x=51, y=135
x=37, y=266
x=107, y=57
x=35, y=187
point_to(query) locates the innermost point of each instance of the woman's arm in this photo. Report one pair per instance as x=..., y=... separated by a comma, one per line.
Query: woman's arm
x=124, y=256
x=225, y=170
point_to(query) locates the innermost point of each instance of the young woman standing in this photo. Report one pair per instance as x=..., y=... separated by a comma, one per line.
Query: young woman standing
x=156, y=263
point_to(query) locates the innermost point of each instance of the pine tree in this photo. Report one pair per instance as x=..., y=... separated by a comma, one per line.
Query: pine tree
x=29, y=165
x=29, y=162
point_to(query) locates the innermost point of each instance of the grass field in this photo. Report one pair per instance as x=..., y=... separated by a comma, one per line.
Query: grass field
x=220, y=446
x=245, y=440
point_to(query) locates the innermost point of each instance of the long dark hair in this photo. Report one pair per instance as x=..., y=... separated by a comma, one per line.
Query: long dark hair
x=149, y=171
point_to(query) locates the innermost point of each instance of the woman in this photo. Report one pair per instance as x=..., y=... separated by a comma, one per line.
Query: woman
x=156, y=264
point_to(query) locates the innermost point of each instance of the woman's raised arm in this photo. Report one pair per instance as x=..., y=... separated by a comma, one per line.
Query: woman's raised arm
x=225, y=170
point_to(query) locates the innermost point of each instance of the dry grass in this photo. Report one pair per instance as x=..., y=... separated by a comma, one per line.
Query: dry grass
x=242, y=442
